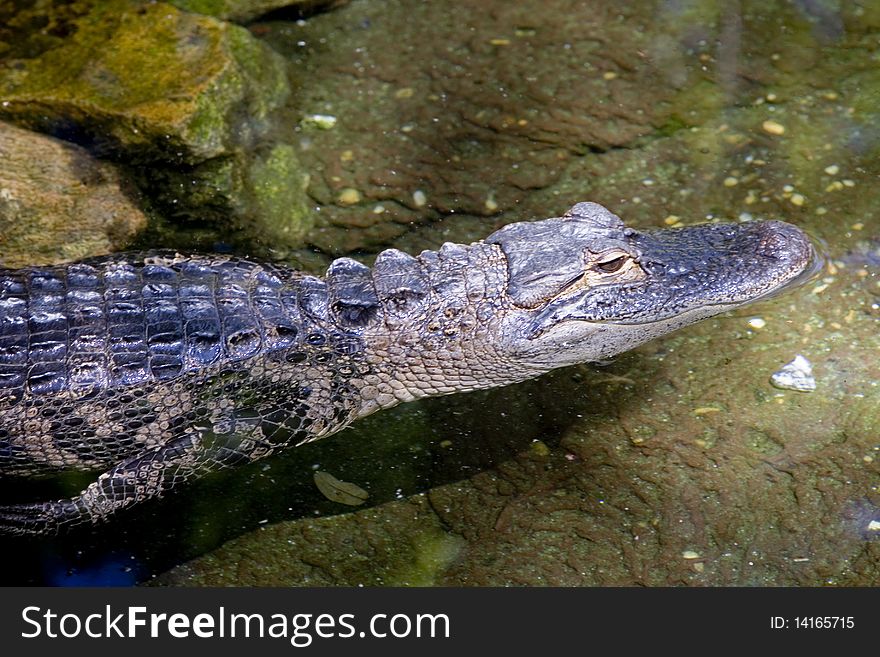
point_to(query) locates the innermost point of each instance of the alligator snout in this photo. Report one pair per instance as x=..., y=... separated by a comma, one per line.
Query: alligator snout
x=785, y=242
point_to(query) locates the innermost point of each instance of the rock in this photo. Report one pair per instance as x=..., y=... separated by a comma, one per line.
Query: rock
x=242, y=11
x=58, y=203
x=185, y=98
x=796, y=375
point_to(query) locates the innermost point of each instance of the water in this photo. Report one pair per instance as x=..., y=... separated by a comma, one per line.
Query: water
x=678, y=463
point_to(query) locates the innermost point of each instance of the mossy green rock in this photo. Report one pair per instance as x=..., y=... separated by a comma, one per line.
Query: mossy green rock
x=183, y=98
x=242, y=11
x=276, y=184
x=142, y=79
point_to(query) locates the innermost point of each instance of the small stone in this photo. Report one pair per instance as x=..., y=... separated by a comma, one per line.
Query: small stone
x=873, y=526
x=539, y=448
x=419, y=198
x=730, y=181
x=858, y=225
x=610, y=75
x=672, y=219
x=757, y=323
x=796, y=375
x=405, y=92
x=832, y=170
x=773, y=128
x=848, y=183
x=797, y=199
x=349, y=196
x=690, y=554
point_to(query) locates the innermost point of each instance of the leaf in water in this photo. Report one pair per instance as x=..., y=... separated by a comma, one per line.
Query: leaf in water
x=343, y=492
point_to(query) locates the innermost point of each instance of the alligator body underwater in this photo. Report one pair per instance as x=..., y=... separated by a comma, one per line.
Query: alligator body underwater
x=155, y=369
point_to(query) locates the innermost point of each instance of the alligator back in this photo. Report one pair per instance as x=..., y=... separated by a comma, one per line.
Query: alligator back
x=107, y=358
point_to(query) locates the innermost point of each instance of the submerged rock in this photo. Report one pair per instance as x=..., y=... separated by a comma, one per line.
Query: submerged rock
x=796, y=375
x=59, y=203
x=185, y=98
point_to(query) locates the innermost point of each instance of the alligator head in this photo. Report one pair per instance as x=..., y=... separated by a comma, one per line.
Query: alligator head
x=585, y=287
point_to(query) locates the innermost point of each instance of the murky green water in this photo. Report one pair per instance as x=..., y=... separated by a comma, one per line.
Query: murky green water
x=422, y=122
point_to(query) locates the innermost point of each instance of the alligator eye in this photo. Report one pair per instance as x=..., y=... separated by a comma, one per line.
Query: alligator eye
x=611, y=266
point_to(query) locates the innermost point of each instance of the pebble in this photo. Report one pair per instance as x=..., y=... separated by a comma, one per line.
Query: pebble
x=539, y=448
x=773, y=128
x=757, y=323
x=797, y=199
x=796, y=375
x=349, y=196
x=419, y=198
x=832, y=170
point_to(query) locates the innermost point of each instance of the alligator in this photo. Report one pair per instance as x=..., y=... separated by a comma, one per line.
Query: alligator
x=158, y=368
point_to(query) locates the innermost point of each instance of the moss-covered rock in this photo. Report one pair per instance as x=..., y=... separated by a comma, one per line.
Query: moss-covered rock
x=184, y=98
x=148, y=82
x=58, y=203
x=276, y=184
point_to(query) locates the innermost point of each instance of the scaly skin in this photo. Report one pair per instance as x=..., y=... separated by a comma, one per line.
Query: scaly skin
x=155, y=369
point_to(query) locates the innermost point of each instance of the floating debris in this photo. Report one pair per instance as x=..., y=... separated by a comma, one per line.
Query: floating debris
x=322, y=121
x=796, y=375
x=343, y=492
